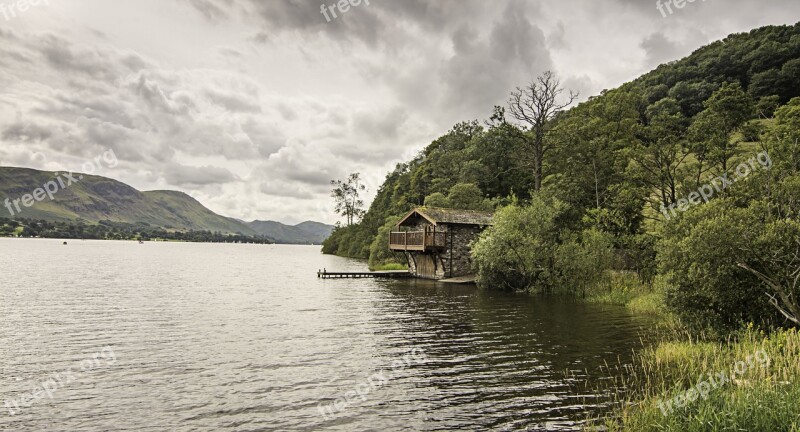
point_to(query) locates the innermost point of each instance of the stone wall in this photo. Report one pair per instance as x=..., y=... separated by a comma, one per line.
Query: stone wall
x=454, y=261
x=458, y=259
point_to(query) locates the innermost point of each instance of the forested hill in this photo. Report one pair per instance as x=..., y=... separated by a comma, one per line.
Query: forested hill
x=93, y=199
x=615, y=159
x=97, y=200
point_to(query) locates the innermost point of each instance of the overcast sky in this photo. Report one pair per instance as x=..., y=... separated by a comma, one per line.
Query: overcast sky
x=253, y=106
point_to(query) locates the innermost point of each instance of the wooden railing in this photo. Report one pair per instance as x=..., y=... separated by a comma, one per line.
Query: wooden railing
x=417, y=240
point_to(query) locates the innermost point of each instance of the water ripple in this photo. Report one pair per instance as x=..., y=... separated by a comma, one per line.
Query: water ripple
x=246, y=338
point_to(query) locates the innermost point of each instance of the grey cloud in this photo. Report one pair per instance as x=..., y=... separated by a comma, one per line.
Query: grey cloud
x=183, y=175
x=659, y=49
x=69, y=105
x=104, y=135
x=230, y=52
x=212, y=10
x=372, y=24
x=151, y=92
x=581, y=84
x=285, y=189
x=265, y=138
x=62, y=56
x=27, y=132
x=233, y=102
x=381, y=125
x=286, y=111
x=556, y=38
x=482, y=72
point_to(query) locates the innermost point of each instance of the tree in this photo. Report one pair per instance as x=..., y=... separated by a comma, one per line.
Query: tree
x=582, y=261
x=659, y=151
x=516, y=252
x=775, y=261
x=587, y=161
x=699, y=257
x=379, y=252
x=347, y=197
x=466, y=196
x=766, y=106
x=726, y=111
x=437, y=199
x=535, y=106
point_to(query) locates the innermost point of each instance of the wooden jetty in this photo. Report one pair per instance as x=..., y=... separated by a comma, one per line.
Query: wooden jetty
x=392, y=274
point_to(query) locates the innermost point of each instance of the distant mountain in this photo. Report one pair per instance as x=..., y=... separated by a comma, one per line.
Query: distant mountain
x=303, y=233
x=318, y=229
x=93, y=199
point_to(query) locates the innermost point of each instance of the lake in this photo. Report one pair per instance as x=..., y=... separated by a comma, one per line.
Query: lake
x=98, y=336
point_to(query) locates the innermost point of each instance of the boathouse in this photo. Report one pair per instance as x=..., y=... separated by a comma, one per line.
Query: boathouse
x=437, y=242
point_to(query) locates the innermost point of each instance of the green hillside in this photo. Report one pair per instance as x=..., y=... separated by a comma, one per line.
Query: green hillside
x=93, y=199
x=601, y=150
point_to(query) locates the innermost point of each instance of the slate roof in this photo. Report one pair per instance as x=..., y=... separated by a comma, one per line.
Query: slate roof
x=445, y=216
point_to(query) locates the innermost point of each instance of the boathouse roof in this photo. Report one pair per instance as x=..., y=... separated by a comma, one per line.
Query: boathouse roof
x=444, y=216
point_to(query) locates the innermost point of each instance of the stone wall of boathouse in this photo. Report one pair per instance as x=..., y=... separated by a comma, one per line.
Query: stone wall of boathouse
x=453, y=261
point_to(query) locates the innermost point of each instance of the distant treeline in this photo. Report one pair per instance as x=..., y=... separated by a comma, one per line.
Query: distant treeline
x=107, y=230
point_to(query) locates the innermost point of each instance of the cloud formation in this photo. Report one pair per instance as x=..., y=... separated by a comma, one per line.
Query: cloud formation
x=253, y=106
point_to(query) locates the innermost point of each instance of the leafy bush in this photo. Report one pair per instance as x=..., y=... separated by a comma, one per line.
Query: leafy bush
x=380, y=257
x=526, y=249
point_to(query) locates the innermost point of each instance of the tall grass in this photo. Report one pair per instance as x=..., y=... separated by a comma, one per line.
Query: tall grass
x=624, y=288
x=763, y=397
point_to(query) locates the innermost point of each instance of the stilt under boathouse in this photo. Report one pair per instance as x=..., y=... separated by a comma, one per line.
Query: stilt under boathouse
x=437, y=242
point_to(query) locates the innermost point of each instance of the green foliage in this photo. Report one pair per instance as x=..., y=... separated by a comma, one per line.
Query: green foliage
x=526, y=249
x=350, y=241
x=517, y=251
x=767, y=105
x=581, y=261
x=726, y=111
x=437, y=171
x=626, y=288
x=437, y=199
x=379, y=254
x=466, y=196
x=700, y=253
x=723, y=259
x=761, y=398
x=389, y=267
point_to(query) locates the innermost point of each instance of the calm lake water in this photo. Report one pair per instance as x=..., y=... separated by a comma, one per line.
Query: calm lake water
x=101, y=336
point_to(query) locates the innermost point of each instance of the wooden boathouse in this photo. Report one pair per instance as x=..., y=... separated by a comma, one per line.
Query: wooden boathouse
x=437, y=241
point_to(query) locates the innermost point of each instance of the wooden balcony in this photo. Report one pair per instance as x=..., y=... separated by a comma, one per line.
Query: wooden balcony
x=420, y=241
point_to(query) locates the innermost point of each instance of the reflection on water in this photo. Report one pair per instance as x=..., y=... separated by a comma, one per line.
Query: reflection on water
x=246, y=338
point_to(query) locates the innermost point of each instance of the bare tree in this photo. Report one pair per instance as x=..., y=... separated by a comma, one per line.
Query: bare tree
x=347, y=196
x=534, y=107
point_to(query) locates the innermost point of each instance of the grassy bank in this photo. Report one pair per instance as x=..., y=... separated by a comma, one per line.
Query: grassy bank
x=691, y=381
x=626, y=289
x=750, y=382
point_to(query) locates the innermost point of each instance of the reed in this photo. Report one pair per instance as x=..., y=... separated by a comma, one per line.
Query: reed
x=762, y=398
